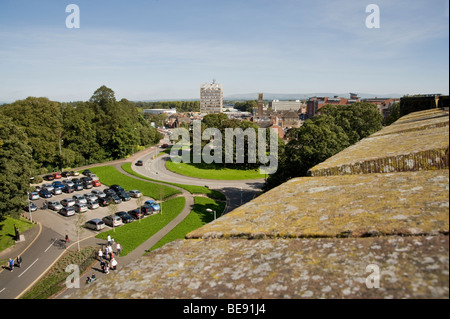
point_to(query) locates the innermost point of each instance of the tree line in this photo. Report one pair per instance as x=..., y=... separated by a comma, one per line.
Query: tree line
x=322, y=136
x=180, y=106
x=38, y=135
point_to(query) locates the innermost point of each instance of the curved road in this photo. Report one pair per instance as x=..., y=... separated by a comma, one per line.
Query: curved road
x=45, y=247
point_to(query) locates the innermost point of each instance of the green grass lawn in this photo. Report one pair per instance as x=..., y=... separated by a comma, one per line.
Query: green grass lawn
x=196, y=218
x=109, y=175
x=134, y=234
x=190, y=188
x=212, y=171
x=7, y=230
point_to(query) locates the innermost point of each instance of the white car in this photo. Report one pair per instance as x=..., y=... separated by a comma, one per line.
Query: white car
x=135, y=193
x=98, y=193
x=113, y=221
x=90, y=197
x=54, y=205
x=80, y=199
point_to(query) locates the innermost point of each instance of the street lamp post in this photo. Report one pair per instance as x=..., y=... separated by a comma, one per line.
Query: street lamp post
x=209, y=210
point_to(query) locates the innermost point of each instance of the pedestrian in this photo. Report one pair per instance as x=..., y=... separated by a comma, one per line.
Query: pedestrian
x=113, y=264
x=109, y=240
x=100, y=255
x=106, y=251
x=106, y=268
x=67, y=239
x=19, y=261
x=118, y=249
x=11, y=264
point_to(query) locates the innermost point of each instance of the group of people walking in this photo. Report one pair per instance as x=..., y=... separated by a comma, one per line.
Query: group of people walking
x=106, y=258
x=11, y=263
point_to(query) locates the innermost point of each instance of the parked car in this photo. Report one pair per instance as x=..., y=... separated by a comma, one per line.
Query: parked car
x=80, y=199
x=165, y=146
x=112, y=221
x=93, y=204
x=68, y=182
x=78, y=186
x=126, y=218
x=113, y=198
x=93, y=177
x=74, y=173
x=57, y=191
x=67, y=211
x=135, y=193
x=33, y=196
x=136, y=213
x=95, y=224
x=31, y=207
x=90, y=196
x=103, y=201
x=43, y=193
x=56, y=175
x=139, y=163
x=48, y=187
x=80, y=208
x=68, y=202
x=154, y=205
x=117, y=188
x=54, y=205
x=68, y=189
x=124, y=196
x=65, y=174
x=48, y=177
x=96, y=183
x=86, y=172
x=98, y=193
x=87, y=183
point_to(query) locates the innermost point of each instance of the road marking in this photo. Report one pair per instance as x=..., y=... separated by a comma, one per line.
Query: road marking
x=28, y=267
x=50, y=246
x=2, y=290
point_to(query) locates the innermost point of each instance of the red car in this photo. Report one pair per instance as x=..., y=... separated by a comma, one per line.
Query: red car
x=56, y=175
x=96, y=183
x=165, y=146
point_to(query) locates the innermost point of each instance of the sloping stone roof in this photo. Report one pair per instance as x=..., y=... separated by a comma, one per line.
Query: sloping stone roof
x=377, y=235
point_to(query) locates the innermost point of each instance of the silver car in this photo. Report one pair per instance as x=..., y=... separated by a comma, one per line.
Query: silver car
x=93, y=204
x=135, y=193
x=80, y=208
x=80, y=199
x=113, y=221
x=54, y=205
x=95, y=224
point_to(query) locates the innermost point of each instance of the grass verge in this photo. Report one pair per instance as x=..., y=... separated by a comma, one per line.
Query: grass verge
x=196, y=218
x=7, y=230
x=130, y=236
x=212, y=171
x=190, y=188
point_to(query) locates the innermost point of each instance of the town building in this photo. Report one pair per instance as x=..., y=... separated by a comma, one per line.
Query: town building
x=211, y=98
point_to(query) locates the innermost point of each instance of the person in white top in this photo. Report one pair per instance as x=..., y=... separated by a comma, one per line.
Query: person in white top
x=118, y=248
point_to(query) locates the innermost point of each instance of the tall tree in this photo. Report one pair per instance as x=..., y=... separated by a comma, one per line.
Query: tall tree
x=16, y=168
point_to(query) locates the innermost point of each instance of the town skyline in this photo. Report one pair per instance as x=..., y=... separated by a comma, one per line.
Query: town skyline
x=160, y=50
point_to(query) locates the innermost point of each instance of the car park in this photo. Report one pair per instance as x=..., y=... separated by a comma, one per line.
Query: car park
x=112, y=220
x=95, y=224
x=80, y=208
x=43, y=193
x=135, y=193
x=126, y=218
x=67, y=211
x=54, y=205
x=68, y=202
x=80, y=199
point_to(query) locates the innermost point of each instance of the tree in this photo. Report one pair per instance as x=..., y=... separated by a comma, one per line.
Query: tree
x=319, y=138
x=103, y=96
x=16, y=168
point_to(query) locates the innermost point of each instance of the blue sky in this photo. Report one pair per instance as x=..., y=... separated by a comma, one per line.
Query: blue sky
x=164, y=49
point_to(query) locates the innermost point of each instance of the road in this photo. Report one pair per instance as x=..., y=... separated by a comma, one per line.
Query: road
x=46, y=244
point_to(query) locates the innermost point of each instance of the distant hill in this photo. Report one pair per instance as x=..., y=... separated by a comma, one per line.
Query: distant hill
x=301, y=96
